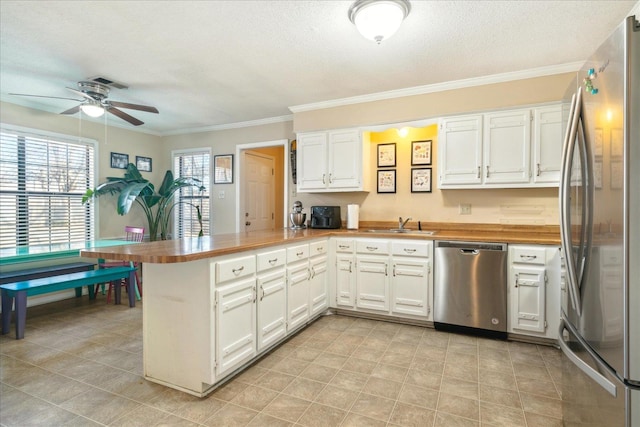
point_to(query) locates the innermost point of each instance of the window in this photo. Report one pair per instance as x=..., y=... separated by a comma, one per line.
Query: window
x=42, y=180
x=192, y=164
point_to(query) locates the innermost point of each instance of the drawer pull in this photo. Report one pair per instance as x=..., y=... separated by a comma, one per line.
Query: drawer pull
x=273, y=261
x=528, y=257
x=299, y=254
x=237, y=271
x=409, y=251
x=343, y=246
x=372, y=248
x=319, y=249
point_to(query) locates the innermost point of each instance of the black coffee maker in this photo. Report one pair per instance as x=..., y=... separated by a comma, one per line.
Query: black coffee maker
x=325, y=217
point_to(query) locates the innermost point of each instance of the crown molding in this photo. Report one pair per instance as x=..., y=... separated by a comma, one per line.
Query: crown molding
x=441, y=87
x=249, y=123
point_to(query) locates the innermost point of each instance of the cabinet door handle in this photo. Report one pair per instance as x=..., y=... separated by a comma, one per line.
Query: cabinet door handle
x=255, y=293
x=330, y=179
x=516, y=280
x=487, y=171
x=538, y=169
x=349, y=266
x=394, y=270
x=386, y=272
x=237, y=271
x=323, y=180
x=478, y=172
x=262, y=289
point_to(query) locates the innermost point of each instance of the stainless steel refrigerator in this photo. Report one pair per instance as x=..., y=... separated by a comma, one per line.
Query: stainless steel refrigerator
x=600, y=228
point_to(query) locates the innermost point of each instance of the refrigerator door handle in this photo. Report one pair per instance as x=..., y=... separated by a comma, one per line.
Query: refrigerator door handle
x=565, y=201
x=582, y=365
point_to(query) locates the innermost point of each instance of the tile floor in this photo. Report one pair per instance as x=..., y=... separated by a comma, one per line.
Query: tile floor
x=80, y=364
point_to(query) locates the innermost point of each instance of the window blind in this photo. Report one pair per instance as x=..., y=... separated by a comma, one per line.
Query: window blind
x=42, y=180
x=192, y=164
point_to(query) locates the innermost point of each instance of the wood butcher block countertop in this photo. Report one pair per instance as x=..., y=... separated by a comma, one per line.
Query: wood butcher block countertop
x=195, y=248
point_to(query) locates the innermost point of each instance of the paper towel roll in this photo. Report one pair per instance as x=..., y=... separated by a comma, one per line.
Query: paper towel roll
x=353, y=214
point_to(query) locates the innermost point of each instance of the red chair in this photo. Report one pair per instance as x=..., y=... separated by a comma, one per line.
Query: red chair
x=132, y=234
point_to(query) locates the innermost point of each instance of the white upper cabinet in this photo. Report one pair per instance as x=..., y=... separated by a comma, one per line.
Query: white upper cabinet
x=507, y=147
x=460, y=148
x=547, y=143
x=330, y=161
x=504, y=149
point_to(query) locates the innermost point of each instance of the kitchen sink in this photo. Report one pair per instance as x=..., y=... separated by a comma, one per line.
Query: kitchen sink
x=402, y=231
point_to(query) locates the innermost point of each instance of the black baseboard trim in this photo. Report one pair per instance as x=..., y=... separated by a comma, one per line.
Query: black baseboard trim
x=470, y=331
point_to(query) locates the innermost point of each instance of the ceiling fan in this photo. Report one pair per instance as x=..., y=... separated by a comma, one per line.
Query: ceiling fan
x=94, y=102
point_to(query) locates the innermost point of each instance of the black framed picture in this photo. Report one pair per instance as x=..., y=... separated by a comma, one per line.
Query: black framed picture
x=387, y=181
x=223, y=169
x=421, y=180
x=143, y=163
x=421, y=152
x=119, y=160
x=387, y=155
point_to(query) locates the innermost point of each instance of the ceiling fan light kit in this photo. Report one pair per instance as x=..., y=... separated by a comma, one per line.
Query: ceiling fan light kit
x=378, y=20
x=92, y=109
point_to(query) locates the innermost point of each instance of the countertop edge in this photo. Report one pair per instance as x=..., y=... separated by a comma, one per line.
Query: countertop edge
x=198, y=248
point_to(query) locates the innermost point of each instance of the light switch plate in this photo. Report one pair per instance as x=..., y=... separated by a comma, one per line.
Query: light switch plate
x=221, y=194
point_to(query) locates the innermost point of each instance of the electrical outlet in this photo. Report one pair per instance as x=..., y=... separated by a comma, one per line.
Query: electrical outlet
x=464, y=208
x=221, y=194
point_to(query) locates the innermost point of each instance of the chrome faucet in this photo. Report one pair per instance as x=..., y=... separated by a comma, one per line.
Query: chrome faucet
x=401, y=223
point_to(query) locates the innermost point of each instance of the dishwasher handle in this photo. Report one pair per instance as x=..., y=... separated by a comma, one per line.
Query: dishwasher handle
x=469, y=251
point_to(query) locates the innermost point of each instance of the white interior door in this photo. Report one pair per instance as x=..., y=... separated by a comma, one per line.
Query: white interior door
x=259, y=191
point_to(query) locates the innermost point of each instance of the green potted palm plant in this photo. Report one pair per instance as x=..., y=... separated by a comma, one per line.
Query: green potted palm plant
x=157, y=206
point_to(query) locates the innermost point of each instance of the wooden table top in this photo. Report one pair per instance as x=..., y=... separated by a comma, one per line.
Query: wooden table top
x=195, y=248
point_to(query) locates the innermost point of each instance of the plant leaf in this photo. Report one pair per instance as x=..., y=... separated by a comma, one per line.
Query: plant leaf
x=167, y=182
x=128, y=196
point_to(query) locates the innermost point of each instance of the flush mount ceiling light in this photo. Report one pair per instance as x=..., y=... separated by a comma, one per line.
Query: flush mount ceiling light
x=92, y=109
x=378, y=19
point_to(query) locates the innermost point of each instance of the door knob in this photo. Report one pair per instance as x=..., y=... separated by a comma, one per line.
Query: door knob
x=247, y=223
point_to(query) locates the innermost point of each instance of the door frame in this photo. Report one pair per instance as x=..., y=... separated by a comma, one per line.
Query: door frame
x=238, y=167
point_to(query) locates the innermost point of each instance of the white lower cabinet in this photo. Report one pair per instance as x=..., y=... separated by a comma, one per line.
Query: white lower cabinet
x=411, y=279
x=345, y=273
x=318, y=296
x=297, y=286
x=272, y=298
x=372, y=275
x=534, y=290
x=235, y=301
x=392, y=277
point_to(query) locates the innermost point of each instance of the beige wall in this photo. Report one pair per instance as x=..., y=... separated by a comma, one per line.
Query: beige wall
x=493, y=96
x=224, y=142
x=520, y=206
x=115, y=139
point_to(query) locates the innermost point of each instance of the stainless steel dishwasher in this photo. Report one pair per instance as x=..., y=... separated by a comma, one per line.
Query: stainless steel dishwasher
x=470, y=288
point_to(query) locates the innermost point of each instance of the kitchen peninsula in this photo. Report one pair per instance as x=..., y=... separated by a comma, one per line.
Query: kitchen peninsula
x=214, y=304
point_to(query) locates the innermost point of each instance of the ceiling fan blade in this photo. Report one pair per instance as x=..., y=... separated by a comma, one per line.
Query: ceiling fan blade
x=146, y=108
x=125, y=116
x=82, y=94
x=72, y=110
x=44, y=96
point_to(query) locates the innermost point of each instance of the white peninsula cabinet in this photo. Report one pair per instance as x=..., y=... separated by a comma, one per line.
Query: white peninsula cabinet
x=504, y=149
x=534, y=290
x=204, y=320
x=331, y=161
x=272, y=297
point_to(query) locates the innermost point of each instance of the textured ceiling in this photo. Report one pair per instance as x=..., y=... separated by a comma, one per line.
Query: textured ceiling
x=208, y=63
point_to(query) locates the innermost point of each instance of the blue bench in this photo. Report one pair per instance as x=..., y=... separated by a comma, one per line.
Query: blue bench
x=19, y=291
